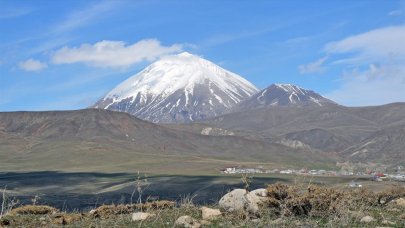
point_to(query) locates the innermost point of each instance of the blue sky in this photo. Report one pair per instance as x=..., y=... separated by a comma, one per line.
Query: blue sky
x=57, y=55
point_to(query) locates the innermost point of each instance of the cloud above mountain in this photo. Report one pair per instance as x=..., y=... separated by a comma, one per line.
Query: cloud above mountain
x=314, y=67
x=372, y=62
x=115, y=54
x=376, y=45
x=32, y=65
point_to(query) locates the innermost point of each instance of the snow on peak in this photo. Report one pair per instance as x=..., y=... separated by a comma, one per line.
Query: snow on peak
x=287, y=94
x=289, y=88
x=181, y=71
x=185, y=54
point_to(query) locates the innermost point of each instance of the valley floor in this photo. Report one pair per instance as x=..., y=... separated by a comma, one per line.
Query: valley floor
x=86, y=190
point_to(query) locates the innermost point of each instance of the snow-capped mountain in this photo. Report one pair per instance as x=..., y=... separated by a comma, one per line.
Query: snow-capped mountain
x=284, y=95
x=177, y=89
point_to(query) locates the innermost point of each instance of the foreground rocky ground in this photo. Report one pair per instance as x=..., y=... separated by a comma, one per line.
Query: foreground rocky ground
x=277, y=206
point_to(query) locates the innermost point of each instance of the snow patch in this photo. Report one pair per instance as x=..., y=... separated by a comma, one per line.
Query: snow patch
x=182, y=71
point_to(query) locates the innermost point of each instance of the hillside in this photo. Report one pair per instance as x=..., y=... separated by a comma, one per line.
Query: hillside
x=329, y=128
x=102, y=140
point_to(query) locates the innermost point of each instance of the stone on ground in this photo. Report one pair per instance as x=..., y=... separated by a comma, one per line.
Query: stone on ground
x=209, y=213
x=367, y=219
x=140, y=216
x=242, y=201
x=186, y=221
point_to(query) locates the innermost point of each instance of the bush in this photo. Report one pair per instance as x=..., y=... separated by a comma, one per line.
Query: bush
x=323, y=201
x=33, y=210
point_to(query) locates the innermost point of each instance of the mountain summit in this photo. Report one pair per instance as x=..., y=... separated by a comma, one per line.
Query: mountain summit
x=178, y=89
x=284, y=95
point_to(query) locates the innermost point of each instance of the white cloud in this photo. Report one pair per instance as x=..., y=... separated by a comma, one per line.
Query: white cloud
x=114, y=53
x=314, y=67
x=32, y=65
x=374, y=45
x=374, y=86
x=374, y=64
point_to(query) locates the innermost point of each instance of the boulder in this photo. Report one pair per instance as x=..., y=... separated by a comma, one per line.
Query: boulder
x=234, y=201
x=241, y=201
x=186, y=221
x=259, y=195
x=367, y=219
x=260, y=192
x=140, y=216
x=209, y=213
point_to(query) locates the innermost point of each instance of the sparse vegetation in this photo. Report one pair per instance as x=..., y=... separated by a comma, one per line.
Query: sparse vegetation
x=7, y=203
x=286, y=206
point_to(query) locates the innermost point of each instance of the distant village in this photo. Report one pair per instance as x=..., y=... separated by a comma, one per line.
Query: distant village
x=399, y=175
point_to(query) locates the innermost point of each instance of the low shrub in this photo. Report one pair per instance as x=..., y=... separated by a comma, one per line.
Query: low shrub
x=33, y=210
x=323, y=201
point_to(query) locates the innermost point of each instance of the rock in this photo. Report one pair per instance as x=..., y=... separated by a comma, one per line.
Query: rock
x=261, y=192
x=367, y=219
x=260, y=195
x=277, y=221
x=209, y=213
x=241, y=201
x=42, y=219
x=205, y=222
x=234, y=201
x=386, y=222
x=140, y=216
x=187, y=222
x=93, y=211
x=400, y=202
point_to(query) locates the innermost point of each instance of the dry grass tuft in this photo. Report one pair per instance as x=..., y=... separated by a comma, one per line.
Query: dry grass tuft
x=162, y=204
x=65, y=219
x=107, y=211
x=33, y=210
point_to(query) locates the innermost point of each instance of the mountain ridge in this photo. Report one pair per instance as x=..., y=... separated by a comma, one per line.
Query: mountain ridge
x=283, y=95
